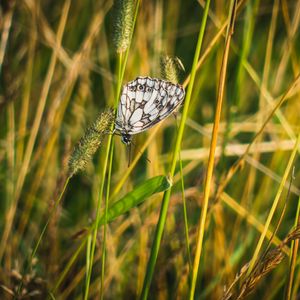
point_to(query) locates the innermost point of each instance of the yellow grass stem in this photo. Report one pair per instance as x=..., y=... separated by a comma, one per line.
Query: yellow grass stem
x=34, y=130
x=251, y=219
x=293, y=258
x=11, y=141
x=26, y=95
x=167, y=194
x=211, y=159
x=67, y=88
x=288, y=46
x=69, y=265
x=241, y=160
x=108, y=161
x=7, y=20
x=185, y=217
x=48, y=220
x=253, y=74
x=128, y=171
x=274, y=206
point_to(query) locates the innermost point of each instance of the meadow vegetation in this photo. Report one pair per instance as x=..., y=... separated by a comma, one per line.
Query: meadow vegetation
x=208, y=207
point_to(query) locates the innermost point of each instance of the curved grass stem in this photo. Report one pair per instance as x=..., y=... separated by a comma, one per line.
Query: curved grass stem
x=108, y=168
x=167, y=194
x=49, y=218
x=293, y=259
x=211, y=159
x=274, y=206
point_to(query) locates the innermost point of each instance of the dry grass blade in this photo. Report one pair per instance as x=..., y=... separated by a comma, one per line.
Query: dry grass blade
x=212, y=149
x=7, y=20
x=290, y=285
x=36, y=125
x=239, y=163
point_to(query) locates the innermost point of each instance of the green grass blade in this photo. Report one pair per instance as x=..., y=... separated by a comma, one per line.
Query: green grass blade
x=134, y=198
x=212, y=150
x=167, y=194
x=108, y=163
x=149, y=187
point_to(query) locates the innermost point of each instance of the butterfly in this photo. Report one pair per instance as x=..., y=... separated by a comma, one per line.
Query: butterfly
x=144, y=102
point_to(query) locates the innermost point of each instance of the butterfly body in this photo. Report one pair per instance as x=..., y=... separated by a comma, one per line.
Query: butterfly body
x=144, y=102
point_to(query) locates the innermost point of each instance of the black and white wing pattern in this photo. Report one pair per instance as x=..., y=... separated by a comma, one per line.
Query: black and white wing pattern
x=144, y=102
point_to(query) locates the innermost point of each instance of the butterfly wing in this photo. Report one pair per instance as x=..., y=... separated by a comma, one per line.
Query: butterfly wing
x=176, y=95
x=145, y=102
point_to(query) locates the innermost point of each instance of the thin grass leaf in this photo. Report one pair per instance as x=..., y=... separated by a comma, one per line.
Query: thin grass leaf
x=167, y=194
x=143, y=191
x=274, y=205
x=293, y=259
x=212, y=149
x=122, y=62
x=266, y=264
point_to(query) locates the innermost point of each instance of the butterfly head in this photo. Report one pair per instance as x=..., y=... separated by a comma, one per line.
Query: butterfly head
x=126, y=139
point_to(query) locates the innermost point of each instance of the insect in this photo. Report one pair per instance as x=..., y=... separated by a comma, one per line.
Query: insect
x=144, y=102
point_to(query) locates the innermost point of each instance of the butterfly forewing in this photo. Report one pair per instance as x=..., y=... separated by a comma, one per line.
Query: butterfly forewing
x=146, y=101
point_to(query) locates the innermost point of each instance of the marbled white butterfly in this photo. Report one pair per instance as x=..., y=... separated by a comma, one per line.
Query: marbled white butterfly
x=144, y=102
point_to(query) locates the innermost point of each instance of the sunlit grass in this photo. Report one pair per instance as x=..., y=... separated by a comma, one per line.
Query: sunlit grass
x=62, y=63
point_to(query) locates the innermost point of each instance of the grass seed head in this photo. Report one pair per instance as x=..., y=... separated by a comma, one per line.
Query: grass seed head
x=123, y=15
x=90, y=142
x=265, y=265
x=170, y=67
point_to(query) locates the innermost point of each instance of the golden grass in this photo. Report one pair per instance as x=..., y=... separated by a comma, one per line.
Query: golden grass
x=58, y=71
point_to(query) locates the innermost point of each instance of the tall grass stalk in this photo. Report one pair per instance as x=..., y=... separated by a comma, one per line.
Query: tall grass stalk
x=250, y=219
x=213, y=144
x=91, y=253
x=241, y=160
x=274, y=206
x=53, y=211
x=167, y=194
x=185, y=217
x=82, y=152
x=34, y=130
x=170, y=68
x=293, y=258
x=121, y=65
x=26, y=97
x=105, y=220
x=110, y=162
x=28, y=266
x=130, y=168
x=70, y=264
x=7, y=21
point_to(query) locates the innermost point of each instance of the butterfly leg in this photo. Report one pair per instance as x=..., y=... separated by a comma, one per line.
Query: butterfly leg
x=108, y=132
